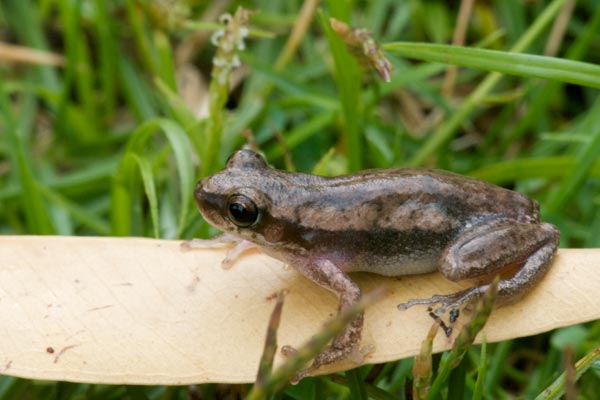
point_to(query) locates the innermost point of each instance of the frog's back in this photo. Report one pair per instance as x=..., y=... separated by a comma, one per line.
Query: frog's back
x=402, y=198
x=395, y=221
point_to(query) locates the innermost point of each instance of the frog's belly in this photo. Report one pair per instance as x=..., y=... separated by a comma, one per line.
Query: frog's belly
x=398, y=265
x=389, y=253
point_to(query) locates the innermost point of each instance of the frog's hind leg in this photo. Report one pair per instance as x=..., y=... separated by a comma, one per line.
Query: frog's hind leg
x=487, y=250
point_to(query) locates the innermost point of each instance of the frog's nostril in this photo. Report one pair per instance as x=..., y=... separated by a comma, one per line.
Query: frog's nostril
x=200, y=184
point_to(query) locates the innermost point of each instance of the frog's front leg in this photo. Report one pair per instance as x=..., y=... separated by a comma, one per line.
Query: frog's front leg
x=494, y=248
x=240, y=247
x=328, y=275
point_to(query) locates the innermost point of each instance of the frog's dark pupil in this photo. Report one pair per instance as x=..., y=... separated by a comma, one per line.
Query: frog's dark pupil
x=242, y=210
x=239, y=212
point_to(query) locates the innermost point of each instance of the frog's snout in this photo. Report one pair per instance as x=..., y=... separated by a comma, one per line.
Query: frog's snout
x=199, y=192
x=209, y=204
x=202, y=198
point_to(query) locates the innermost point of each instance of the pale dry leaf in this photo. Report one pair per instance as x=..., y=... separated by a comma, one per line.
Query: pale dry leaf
x=143, y=311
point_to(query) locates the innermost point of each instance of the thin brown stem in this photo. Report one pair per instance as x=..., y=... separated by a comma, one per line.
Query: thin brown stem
x=458, y=39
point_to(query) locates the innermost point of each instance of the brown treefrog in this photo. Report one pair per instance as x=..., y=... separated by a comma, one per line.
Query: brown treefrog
x=390, y=222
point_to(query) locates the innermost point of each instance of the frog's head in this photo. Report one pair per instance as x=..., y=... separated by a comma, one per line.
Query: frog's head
x=236, y=199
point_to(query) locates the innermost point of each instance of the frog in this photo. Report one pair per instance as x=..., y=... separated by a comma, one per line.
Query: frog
x=391, y=222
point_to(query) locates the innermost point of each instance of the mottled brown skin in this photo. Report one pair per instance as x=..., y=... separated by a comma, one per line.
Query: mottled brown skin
x=390, y=222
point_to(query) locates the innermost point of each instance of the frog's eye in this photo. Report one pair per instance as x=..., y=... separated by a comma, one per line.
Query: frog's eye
x=242, y=211
x=246, y=159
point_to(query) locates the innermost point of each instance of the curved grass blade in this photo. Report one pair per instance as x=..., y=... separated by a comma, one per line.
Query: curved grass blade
x=422, y=367
x=149, y=188
x=181, y=146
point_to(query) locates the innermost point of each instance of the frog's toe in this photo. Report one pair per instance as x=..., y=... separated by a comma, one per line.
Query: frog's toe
x=456, y=301
x=228, y=262
x=357, y=356
x=288, y=351
x=415, y=302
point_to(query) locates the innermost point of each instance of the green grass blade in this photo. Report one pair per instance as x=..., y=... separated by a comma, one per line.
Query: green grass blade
x=358, y=389
x=78, y=77
x=137, y=23
x=107, y=53
x=122, y=198
x=301, y=133
x=526, y=65
x=481, y=371
x=456, y=382
x=348, y=78
x=556, y=389
x=166, y=70
x=81, y=181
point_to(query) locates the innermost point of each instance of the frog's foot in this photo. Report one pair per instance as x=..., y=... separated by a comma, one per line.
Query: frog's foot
x=449, y=302
x=328, y=356
x=240, y=247
x=303, y=374
x=221, y=240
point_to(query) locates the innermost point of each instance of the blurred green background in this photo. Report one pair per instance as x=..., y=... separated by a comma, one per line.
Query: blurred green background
x=108, y=116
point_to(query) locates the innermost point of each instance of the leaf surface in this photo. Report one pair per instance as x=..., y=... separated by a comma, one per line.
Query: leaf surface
x=143, y=311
